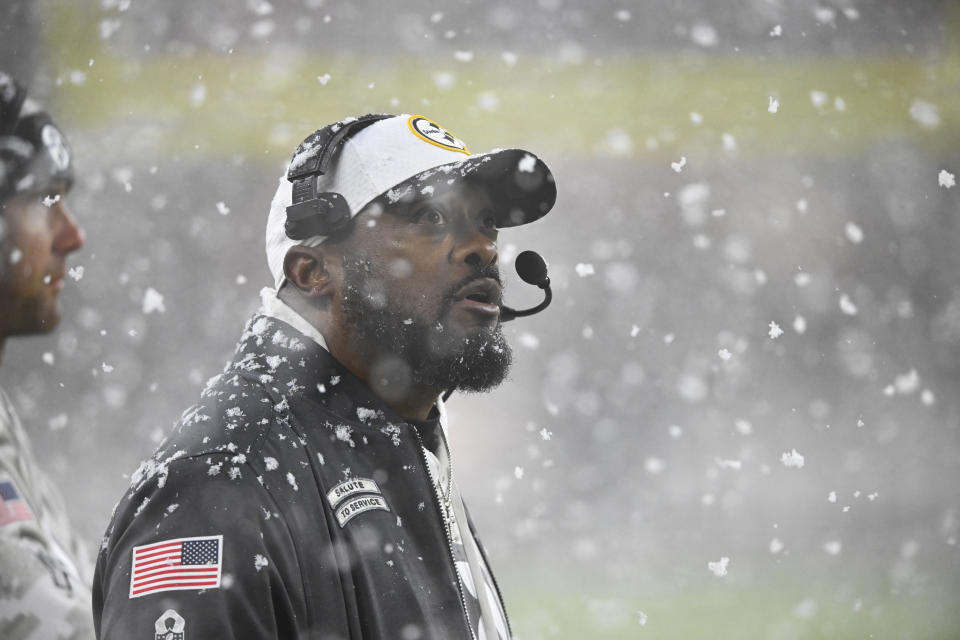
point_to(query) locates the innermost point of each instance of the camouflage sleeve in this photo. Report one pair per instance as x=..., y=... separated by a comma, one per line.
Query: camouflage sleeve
x=41, y=594
x=197, y=551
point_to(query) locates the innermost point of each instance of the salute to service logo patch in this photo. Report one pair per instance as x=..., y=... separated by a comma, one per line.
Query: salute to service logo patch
x=176, y=565
x=350, y=506
x=358, y=505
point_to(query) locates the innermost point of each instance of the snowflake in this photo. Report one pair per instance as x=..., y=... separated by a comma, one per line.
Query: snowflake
x=527, y=164
x=847, y=306
x=853, y=232
x=366, y=415
x=833, y=547
x=719, y=568
x=583, y=270
x=775, y=330
x=792, y=459
x=343, y=433
x=946, y=179
x=153, y=301
x=728, y=464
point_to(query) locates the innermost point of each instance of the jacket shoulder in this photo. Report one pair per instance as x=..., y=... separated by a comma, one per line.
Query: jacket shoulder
x=239, y=419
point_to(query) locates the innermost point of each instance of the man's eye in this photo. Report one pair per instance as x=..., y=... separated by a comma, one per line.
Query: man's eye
x=430, y=216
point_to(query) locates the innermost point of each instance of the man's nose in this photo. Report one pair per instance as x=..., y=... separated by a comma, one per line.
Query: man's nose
x=69, y=235
x=475, y=249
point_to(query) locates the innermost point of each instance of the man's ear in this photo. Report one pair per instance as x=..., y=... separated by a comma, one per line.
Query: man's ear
x=306, y=270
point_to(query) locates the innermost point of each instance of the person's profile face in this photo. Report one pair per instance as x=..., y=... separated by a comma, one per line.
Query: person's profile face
x=37, y=233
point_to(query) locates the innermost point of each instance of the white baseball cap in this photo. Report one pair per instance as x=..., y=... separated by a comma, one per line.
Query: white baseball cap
x=387, y=157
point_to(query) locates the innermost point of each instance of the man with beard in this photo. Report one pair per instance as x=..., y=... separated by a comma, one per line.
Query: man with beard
x=310, y=493
x=42, y=592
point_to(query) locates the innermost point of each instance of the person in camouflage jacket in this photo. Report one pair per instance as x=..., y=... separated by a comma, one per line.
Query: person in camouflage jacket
x=44, y=592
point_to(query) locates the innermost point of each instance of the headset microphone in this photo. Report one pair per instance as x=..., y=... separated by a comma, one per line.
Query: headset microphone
x=533, y=270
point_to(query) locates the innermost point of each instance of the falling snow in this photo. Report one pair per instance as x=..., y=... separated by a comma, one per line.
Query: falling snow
x=719, y=568
x=729, y=288
x=774, y=331
x=792, y=459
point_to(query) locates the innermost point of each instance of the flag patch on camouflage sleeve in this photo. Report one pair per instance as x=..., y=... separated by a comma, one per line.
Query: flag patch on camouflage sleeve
x=177, y=565
x=13, y=508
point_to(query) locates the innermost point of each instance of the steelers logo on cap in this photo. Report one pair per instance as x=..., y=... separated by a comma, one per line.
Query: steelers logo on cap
x=429, y=131
x=56, y=145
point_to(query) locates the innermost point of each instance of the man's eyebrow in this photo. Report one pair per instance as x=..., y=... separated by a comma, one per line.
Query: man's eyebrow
x=407, y=206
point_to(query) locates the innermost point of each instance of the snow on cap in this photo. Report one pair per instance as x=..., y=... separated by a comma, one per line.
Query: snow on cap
x=389, y=157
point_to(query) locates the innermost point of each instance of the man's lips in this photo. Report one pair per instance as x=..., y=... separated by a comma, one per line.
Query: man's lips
x=480, y=296
x=55, y=281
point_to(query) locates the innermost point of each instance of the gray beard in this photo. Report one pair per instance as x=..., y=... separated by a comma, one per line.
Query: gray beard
x=404, y=349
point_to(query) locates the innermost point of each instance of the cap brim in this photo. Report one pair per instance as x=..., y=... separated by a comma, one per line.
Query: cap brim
x=520, y=184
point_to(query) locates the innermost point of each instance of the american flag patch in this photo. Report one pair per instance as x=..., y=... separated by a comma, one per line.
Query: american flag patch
x=12, y=507
x=176, y=565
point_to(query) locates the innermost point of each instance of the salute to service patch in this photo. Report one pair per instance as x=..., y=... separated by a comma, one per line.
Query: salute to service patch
x=349, y=488
x=364, y=495
x=358, y=505
x=176, y=565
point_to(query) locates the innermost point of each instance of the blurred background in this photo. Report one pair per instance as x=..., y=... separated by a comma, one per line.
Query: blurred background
x=739, y=418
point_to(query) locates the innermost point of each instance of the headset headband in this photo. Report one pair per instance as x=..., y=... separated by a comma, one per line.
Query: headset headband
x=315, y=213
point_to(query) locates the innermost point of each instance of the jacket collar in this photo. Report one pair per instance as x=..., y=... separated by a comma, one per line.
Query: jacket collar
x=297, y=368
x=271, y=305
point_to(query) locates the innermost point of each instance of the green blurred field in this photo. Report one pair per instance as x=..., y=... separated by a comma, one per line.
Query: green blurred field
x=263, y=103
x=780, y=613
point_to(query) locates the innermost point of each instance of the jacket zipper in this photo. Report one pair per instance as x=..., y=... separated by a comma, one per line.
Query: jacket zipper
x=446, y=527
x=465, y=526
x=503, y=606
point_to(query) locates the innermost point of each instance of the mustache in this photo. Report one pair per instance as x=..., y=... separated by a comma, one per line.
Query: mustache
x=491, y=271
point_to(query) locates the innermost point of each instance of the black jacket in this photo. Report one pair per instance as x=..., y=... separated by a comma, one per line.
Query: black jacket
x=330, y=525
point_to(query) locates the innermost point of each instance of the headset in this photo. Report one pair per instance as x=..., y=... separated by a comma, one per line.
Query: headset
x=315, y=213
